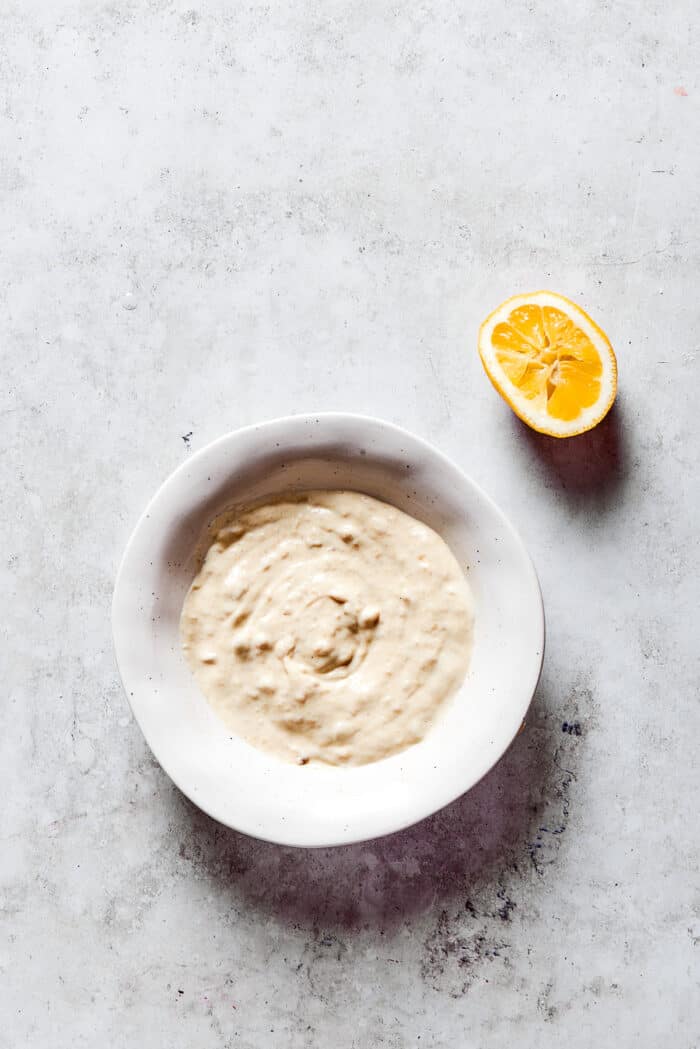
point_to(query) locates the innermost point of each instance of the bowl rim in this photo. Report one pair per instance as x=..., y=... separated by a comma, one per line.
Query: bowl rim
x=433, y=451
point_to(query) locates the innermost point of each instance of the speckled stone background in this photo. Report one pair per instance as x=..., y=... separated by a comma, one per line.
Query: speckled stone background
x=217, y=214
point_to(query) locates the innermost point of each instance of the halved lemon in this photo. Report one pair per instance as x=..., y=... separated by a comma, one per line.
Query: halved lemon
x=552, y=364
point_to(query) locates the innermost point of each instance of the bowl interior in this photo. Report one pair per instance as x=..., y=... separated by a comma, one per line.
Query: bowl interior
x=316, y=805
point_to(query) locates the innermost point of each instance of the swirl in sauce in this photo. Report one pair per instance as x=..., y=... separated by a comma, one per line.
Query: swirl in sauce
x=327, y=626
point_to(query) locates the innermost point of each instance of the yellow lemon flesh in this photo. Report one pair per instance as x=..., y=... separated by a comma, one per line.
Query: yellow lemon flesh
x=552, y=364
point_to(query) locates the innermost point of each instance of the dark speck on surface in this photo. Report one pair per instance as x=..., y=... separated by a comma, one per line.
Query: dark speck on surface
x=507, y=905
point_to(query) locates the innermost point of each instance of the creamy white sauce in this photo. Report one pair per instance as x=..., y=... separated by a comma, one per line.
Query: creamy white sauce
x=327, y=626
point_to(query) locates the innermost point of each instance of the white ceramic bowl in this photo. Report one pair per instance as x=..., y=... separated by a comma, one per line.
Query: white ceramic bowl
x=318, y=805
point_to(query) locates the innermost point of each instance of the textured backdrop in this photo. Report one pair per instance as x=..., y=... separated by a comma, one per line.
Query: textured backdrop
x=218, y=214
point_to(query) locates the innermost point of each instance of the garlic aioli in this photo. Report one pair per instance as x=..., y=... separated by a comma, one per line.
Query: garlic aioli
x=327, y=626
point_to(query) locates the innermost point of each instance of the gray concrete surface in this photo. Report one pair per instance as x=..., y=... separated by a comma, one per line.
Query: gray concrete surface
x=216, y=214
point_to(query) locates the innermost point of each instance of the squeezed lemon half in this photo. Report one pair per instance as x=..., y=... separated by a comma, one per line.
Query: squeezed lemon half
x=550, y=362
